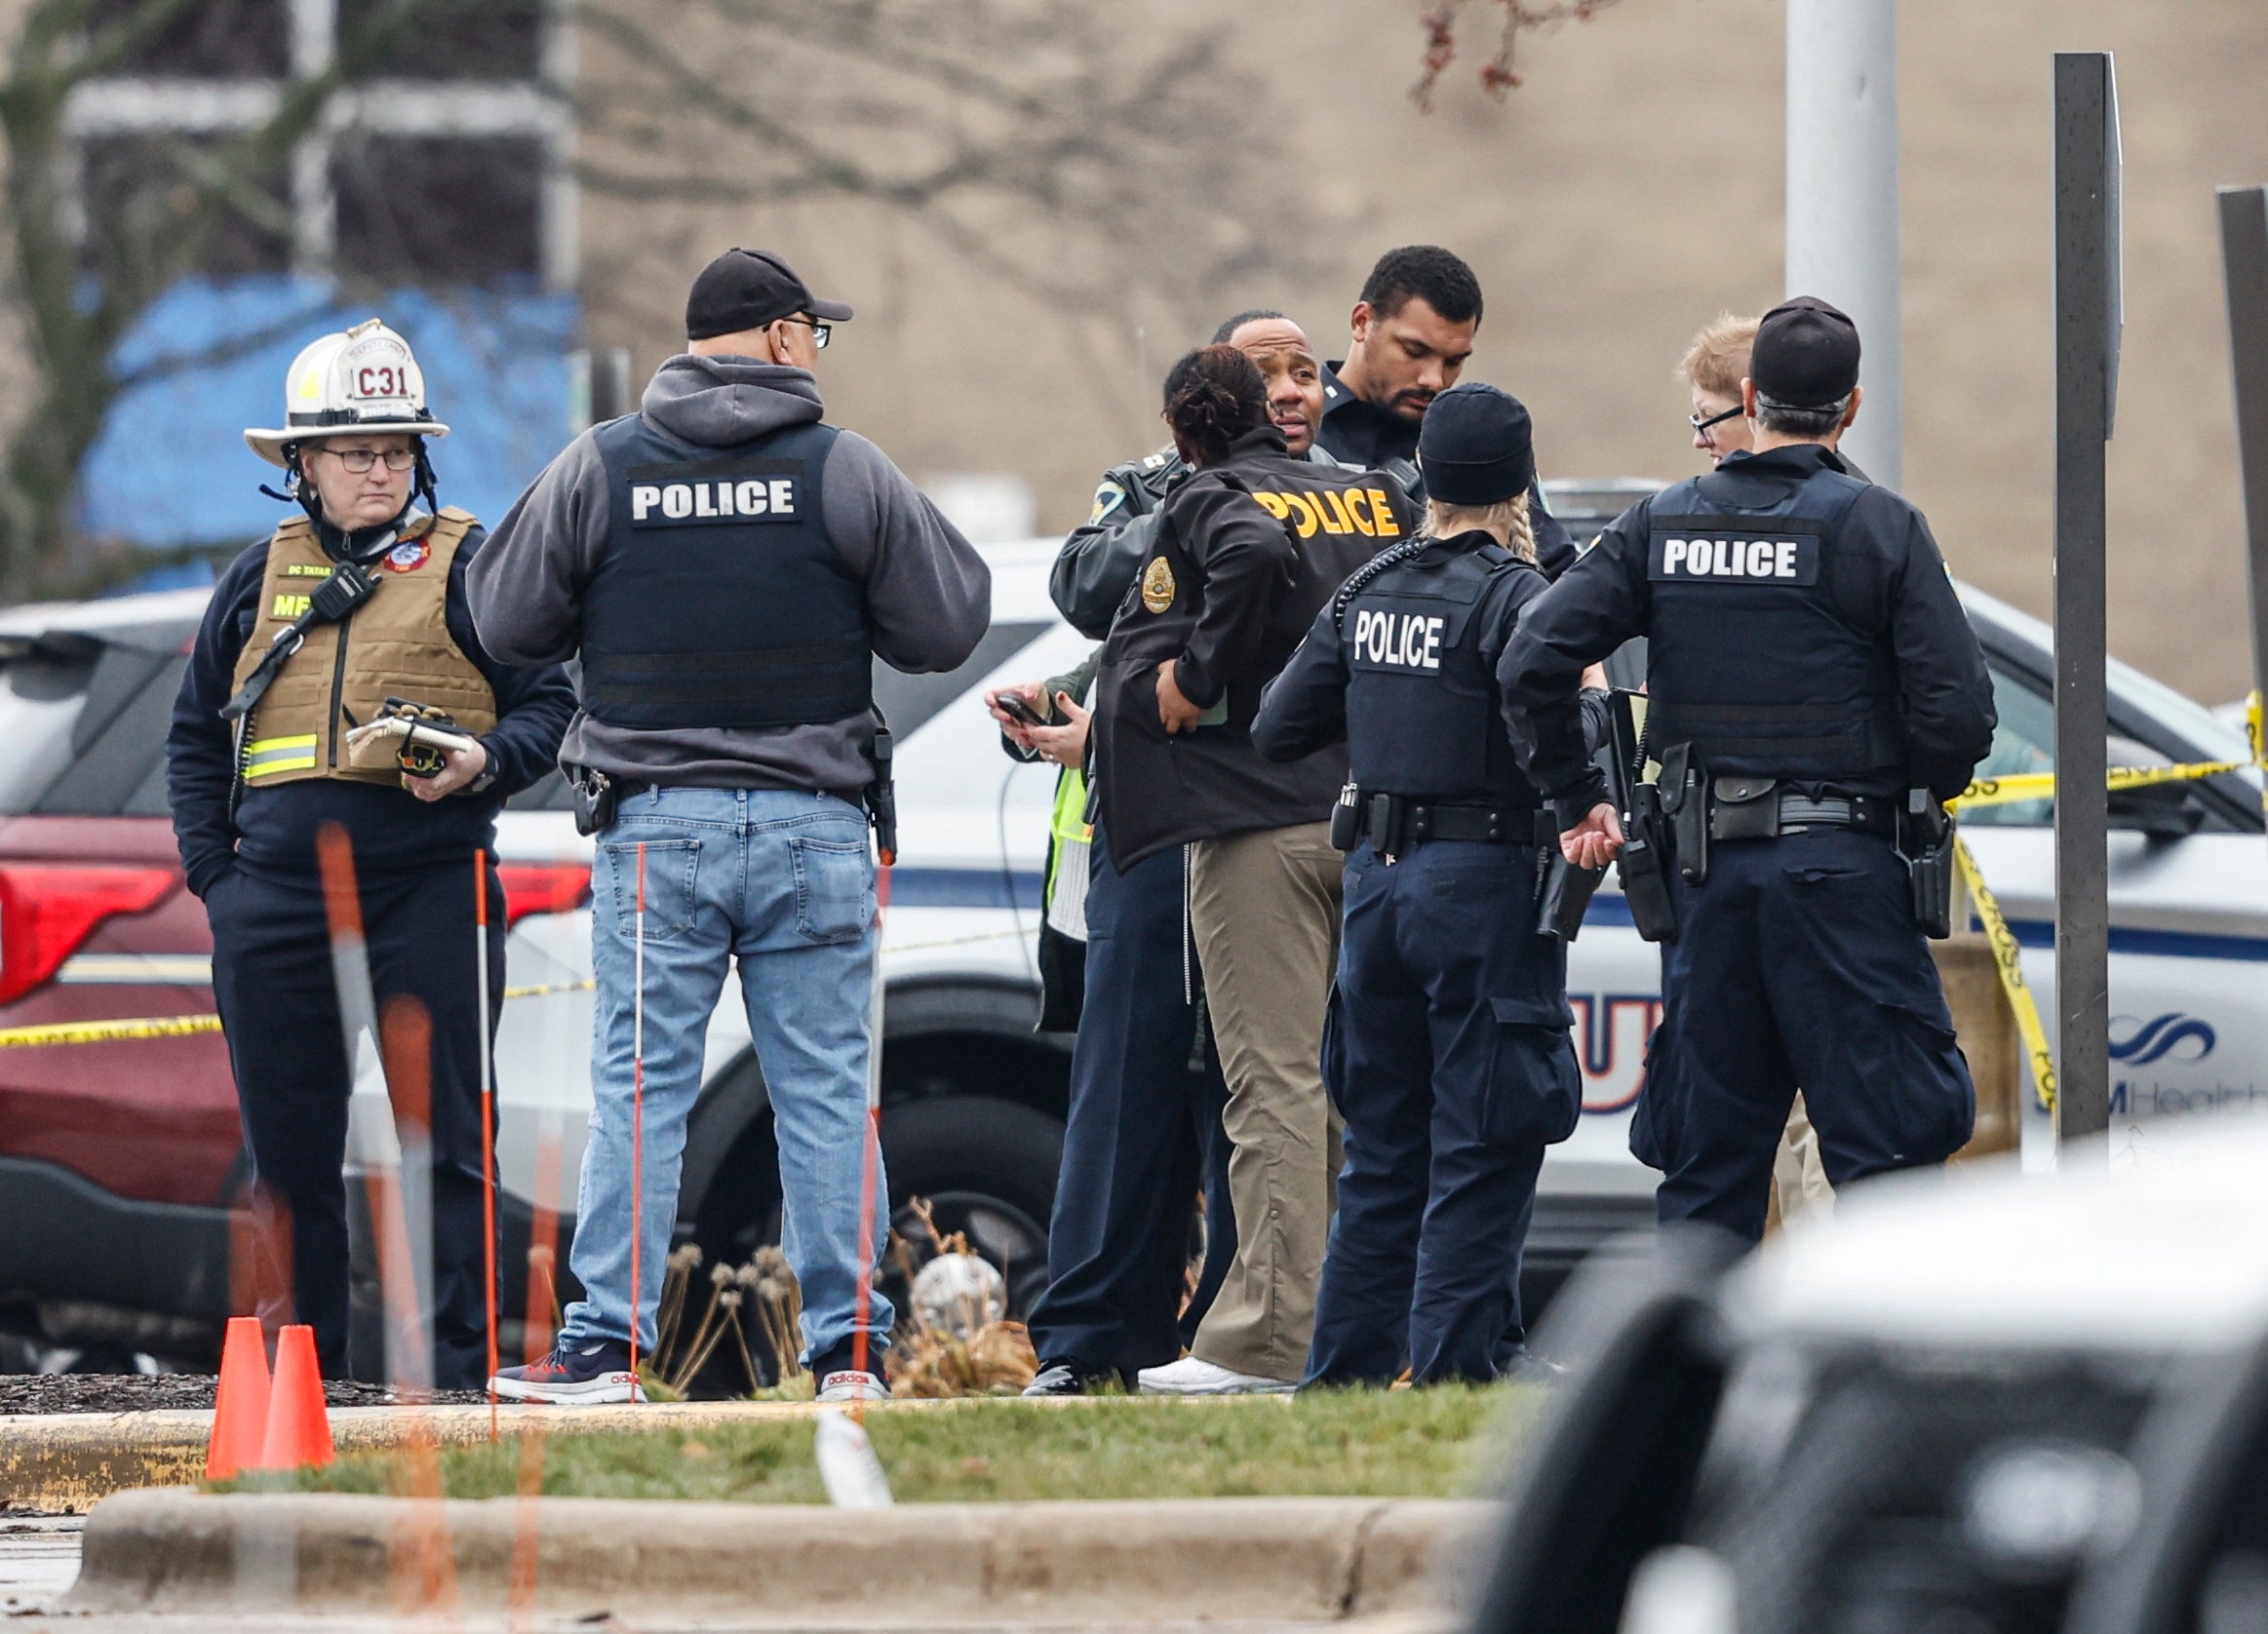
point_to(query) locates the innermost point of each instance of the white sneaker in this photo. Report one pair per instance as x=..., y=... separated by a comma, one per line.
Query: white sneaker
x=849, y=1385
x=1194, y=1375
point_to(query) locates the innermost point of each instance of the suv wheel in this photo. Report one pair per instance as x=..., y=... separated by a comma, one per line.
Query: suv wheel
x=986, y=1168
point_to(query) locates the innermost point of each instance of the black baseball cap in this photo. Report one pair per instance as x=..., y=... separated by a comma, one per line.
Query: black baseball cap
x=1806, y=353
x=748, y=289
x=1476, y=446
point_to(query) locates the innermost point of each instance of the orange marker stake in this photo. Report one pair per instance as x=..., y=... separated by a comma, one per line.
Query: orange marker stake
x=542, y=1248
x=871, y=1158
x=488, y=1112
x=637, y=1117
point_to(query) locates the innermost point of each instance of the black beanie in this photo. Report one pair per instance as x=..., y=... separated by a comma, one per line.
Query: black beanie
x=1475, y=447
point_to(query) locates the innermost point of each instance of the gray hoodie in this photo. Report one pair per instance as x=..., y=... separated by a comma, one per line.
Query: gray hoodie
x=928, y=594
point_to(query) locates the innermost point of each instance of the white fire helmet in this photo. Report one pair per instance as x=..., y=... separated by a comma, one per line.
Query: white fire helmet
x=365, y=380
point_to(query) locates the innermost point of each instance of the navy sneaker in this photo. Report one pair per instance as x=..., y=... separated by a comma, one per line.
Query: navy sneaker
x=586, y=1378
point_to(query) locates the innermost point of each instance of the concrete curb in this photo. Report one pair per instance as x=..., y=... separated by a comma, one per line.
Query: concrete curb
x=66, y=1462
x=1273, y=1559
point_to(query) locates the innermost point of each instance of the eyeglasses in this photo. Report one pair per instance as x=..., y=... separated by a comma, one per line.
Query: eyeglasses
x=819, y=332
x=359, y=461
x=1699, y=425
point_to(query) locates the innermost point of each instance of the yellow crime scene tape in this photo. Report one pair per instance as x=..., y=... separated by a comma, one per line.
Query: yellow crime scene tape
x=2041, y=785
x=2006, y=954
x=2008, y=958
x=183, y=1027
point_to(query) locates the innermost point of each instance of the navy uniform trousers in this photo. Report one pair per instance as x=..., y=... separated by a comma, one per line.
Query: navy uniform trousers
x=278, y=1006
x=1448, y=1052
x=1144, y=1133
x=1797, y=965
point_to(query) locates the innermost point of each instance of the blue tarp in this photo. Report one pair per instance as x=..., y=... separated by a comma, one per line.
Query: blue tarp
x=172, y=469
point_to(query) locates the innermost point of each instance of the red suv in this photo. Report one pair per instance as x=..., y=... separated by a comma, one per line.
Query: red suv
x=118, y=1157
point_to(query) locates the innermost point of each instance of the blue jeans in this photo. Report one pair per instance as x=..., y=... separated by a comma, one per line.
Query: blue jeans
x=782, y=880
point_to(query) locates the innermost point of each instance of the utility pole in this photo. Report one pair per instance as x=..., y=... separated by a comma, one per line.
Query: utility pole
x=1842, y=199
x=2088, y=314
x=2243, y=214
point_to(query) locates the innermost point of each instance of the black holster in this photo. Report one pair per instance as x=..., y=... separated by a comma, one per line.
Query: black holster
x=1644, y=865
x=881, y=795
x=1346, y=819
x=1685, y=797
x=595, y=797
x=1563, y=891
x=1925, y=840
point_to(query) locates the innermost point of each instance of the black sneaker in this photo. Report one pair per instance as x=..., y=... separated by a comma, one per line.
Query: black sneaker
x=1057, y=1379
x=586, y=1378
x=835, y=1380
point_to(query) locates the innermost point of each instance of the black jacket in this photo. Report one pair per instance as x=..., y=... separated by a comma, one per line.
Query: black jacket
x=1243, y=588
x=391, y=828
x=1363, y=434
x=1094, y=571
x=1906, y=602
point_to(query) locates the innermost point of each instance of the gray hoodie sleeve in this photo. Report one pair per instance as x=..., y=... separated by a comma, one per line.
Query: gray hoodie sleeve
x=928, y=590
x=526, y=587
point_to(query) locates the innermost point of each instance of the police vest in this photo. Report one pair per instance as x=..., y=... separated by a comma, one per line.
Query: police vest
x=717, y=600
x=1423, y=714
x=1762, y=652
x=396, y=645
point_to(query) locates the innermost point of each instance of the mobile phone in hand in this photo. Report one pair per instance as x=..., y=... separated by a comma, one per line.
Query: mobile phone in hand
x=1019, y=708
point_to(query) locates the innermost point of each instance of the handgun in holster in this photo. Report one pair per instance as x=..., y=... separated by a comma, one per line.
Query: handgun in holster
x=1346, y=818
x=1646, y=856
x=1685, y=797
x=1925, y=840
x=881, y=795
x=595, y=797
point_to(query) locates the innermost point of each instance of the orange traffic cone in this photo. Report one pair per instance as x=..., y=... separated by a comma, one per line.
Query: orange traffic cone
x=299, y=1434
x=240, y=1406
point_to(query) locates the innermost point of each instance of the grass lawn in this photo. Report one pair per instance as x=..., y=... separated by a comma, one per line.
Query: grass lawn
x=1441, y=1442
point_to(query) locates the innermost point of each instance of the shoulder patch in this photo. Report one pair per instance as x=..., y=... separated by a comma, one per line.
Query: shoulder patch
x=1108, y=497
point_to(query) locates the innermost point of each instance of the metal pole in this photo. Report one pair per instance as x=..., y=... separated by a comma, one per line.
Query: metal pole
x=2244, y=271
x=1842, y=199
x=2085, y=304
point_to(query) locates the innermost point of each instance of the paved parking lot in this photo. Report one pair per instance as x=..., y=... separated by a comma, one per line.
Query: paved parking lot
x=38, y=1560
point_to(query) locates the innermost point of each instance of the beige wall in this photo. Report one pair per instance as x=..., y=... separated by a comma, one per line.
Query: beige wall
x=1625, y=194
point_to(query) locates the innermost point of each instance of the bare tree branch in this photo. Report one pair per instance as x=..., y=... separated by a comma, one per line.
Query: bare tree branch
x=1501, y=72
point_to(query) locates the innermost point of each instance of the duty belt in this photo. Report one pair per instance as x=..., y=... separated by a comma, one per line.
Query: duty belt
x=1392, y=824
x=1757, y=808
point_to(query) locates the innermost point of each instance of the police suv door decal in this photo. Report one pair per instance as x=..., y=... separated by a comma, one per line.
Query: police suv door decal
x=729, y=491
x=1730, y=550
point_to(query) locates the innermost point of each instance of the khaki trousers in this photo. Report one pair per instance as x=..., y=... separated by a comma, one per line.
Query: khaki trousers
x=1799, y=1178
x=1264, y=910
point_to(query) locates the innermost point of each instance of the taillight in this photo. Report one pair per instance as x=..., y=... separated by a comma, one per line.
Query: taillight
x=542, y=888
x=47, y=910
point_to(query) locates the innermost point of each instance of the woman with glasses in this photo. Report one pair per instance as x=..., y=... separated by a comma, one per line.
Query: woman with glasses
x=352, y=611
x=1712, y=369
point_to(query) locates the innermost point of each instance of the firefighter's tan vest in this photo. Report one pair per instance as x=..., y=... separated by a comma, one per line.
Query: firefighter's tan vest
x=396, y=645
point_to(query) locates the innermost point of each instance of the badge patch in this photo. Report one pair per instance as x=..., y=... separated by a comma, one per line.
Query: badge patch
x=408, y=556
x=1108, y=498
x=1157, y=585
